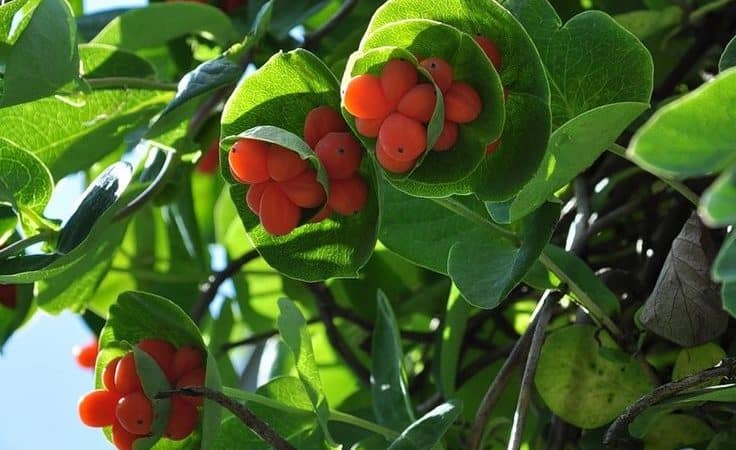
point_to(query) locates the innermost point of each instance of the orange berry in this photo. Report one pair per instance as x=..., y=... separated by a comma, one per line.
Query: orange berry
x=397, y=77
x=279, y=215
x=304, y=190
x=390, y=164
x=348, y=197
x=368, y=127
x=320, y=121
x=490, y=49
x=108, y=375
x=419, y=102
x=86, y=355
x=447, y=138
x=462, y=103
x=97, y=408
x=441, y=72
x=254, y=195
x=493, y=146
x=186, y=359
x=135, y=413
x=126, y=377
x=182, y=419
x=193, y=378
x=404, y=139
x=284, y=164
x=364, y=98
x=340, y=153
x=210, y=160
x=247, y=159
x=324, y=213
x=162, y=352
x=122, y=438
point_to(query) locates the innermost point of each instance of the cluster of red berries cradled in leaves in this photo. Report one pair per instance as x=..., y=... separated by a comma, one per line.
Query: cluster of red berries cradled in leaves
x=8, y=296
x=123, y=405
x=494, y=55
x=86, y=355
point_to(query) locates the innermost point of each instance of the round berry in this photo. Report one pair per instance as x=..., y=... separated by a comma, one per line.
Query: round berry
x=490, y=49
x=210, y=160
x=390, y=164
x=440, y=70
x=462, y=103
x=324, y=213
x=364, y=98
x=194, y=378
x=447, y=138
x=397, y=77
x=320, y=121
x=135, y=413
x=254, y=195
x=368, y=127
x=304, y=190
x=404, y=139
x=108, y=375
x=182, y=419
x=419, y=102
x=162, y=352
x=341, y=155
x=279, y=215
x=247, y=159
x=348, y=197
x=186, y=359
x=493, y=146
x=97, y=408
x=126, y=377
x=86, y=355
x=8, y=296
x=122, y=438
x=284, y=164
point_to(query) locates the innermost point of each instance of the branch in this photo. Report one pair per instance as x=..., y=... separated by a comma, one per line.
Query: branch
x=311, y=40
x=258, y=426
x=129, y=82
x=210, y=288
x=257, y=338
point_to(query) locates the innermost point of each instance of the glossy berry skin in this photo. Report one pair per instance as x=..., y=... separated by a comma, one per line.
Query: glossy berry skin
x=108, y=375
x=348, y=197
x=162, y=352
x=490, y=49
x=368, y=127
x=304, y=190
x=404, y=139
x=419, y=102
x=441, y=72
x=462, y=103
x=341, y=155
x=97, y=408
x=230, y=6
x=364, y=98
x=8, y=296
x=254, y=195
x=194, y=378
x=279, y=215
x=320, y=121
x=126, y=377
x=86, y=355
x=390, y=164
x=186, y=359
x=135, y=413
x=284, y=164
x=182, y=419
x=122, y=438
x=493, y=146
x=248, y=161
x=323, y=214
x=447, y=138
x=397, y=77
x=210, y=161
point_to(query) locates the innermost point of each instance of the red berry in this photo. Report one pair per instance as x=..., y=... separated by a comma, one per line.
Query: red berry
x=247, y=161
x=211, y=159
x=320, y=121
x=368, y=127
x=348, y=197
x=404, y=139
x=462, y=103
x=493, y=146
x=182, y=419
x=419, y=102
x=397, y=77
x=162, y=352
x=97, y=408
x=447, y=138
x=230, y=6
x=284, y=164
x=194, y=378
x=324, y=213
x=122, y=438
x=86, y=355
x=364, y=98
x=254, y=195
x=135, y=413
x=108, y=375
x=390, y=164
x=186, y=359
x=8, y=296
x=279, y=215
x=440, y=70
x=304, y=190
x=341, y=155
x=490, y=49
x=126, y=377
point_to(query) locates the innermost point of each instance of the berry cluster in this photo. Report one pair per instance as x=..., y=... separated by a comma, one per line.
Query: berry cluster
x=494, y=55
x=86, y=355
x=8, y=296
x=124, y=406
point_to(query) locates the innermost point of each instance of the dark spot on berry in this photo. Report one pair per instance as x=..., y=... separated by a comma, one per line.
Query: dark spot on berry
x=340, y=150
x=400, y=150
x=433, y=65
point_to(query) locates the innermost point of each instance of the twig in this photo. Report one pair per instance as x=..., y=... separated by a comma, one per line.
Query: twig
x=210, y=288
x=311, y=40
x=258, y=426
x=257, y=338
x=154, y=188
x=527, y=380
x=616, y=433
x=129, y=82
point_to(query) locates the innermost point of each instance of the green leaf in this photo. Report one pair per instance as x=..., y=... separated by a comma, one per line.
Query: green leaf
x=280, y=94
x=159, y=23
x=38, y=49
x=294, y=333
x=645, y=24
x=27, y=181
x=728, y=58
x=728, y=293
x=724, y=268
x=453, y=333
x=102, y=61
x=469, y=261
x=718, y=203
x=153, y=381
x=677, y=431
x=426, y=432
x=572, y=362
x=694, y=359
x=697, y=129
x=391, y=401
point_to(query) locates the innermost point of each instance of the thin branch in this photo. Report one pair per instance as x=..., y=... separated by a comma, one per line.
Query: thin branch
x=311, y=40
x=128, y=83
x=153, y=188
x=617, y=432
x=258, y=426
x=258, y=338
x=210, y=288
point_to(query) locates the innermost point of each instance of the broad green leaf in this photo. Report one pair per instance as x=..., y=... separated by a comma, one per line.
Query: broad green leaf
x=485, y=271
x=645, y=24
x=38, y=51
x=572, y=362
x=453, y=333
x=391, y=401
x=724, y=267
x=427, y=431
x=676, y=431
x=697, y=129
x=280, y=94
x=728, y=293
x=728, y=58
x=718, y=203
x=101, y=61
x=522, y=75
x=694, y=359
x=159, y=23
x=28, y=182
